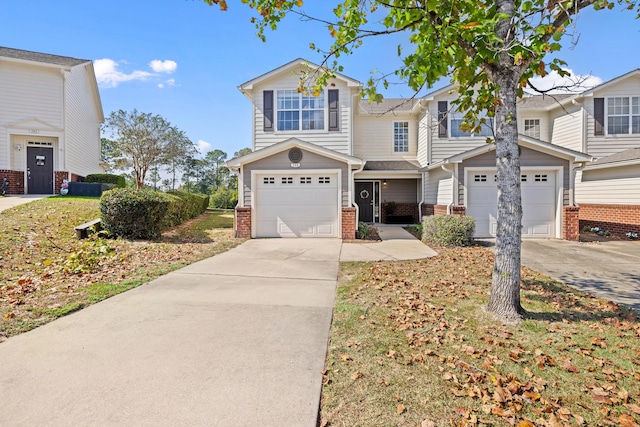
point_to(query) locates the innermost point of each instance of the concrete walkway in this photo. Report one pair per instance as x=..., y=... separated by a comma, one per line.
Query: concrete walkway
x=397, y=245
x=8, y=202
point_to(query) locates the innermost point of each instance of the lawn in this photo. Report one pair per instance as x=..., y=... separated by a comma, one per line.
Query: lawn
x=411, y=346
x=45, y=272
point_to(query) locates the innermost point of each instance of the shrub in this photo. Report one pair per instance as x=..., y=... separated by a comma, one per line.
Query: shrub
x=107, y=178
x=184, y=206
x=448, y=230
x=224, y=198
x=367, y=231
x=134, y=214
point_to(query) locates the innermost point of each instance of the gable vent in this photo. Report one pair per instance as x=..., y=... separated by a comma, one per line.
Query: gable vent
x=295, y=155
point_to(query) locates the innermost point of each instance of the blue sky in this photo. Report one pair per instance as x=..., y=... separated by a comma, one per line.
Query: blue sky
x=202, y=54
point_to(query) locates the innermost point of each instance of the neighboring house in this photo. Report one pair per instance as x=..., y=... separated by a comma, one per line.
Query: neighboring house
x=321, y=164
x=50, y=116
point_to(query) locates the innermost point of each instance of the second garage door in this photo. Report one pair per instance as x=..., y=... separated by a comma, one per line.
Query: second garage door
x=538, y=203
x=297, y=205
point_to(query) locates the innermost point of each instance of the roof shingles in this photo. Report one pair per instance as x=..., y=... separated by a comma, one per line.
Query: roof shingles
x=25, y=55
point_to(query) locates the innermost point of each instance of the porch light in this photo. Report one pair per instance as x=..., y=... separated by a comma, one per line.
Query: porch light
x=384, y=182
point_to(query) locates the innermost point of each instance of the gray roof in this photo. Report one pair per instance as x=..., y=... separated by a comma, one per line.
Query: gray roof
x=397, y=105
x=25, y=55
x=542, y=101
x=623, y=156
x=397, y=165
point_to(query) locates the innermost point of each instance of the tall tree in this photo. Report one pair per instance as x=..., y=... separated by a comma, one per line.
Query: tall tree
x=490, y=48
x=144, y=140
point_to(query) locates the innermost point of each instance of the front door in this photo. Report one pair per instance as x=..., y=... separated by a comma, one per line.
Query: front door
x=39, y=170
x=365, y=201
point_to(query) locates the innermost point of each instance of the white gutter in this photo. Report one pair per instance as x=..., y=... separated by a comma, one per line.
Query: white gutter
x=421, y=199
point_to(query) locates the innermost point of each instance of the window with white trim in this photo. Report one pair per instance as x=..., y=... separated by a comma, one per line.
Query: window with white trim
x=400, y=137
x=297, y=111
x=456, y=119
x=532, y=128
x=623, y=115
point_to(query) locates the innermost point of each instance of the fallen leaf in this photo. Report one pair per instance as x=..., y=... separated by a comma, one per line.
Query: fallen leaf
x=526, y=423
x=626, y=420
x=427, y=423
x=400, y=409
x=633, y=407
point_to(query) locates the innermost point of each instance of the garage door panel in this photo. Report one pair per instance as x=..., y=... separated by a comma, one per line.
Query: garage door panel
x=538, y=204
x=304, y=205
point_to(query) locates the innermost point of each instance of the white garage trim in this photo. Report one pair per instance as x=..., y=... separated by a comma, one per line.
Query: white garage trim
x=557, y=172
x=256, y=175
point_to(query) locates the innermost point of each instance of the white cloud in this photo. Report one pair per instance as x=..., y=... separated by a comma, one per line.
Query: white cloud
x=170, y=82
x=168, y=66
x=203, y=146
x=571, y=83
x=108, y=75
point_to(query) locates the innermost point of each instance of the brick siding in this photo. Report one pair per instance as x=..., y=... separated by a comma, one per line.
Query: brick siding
x=242, y=222
x=402, y=209
x=16, y=181
x=77, y=178
x=59, y=177
x=349, y=223
x=428, y=209
x=618, y=219
x=571, y=223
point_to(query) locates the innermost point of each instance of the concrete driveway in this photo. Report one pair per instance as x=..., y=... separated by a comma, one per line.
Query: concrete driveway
x=610, y=269
x=235, y=340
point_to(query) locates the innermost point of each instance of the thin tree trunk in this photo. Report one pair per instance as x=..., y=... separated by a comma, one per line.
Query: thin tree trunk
x=505, y=291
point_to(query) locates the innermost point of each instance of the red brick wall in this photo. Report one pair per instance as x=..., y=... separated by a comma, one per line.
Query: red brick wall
x=442, y=210
x=242, y=222
x=76, y=178
x=427, y=209
x=404, y=209
x=349, y=223
x=571, y=223
x=614, y=218
x=59, y=177
x=16, y=181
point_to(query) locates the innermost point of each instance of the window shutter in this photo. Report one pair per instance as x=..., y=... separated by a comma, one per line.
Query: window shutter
x=333, y=109
x=267, y=97
x=442, y=119
x=598, y=115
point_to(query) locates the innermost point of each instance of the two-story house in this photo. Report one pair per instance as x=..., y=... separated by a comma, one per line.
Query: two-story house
x=50, y=116
x=322, y=163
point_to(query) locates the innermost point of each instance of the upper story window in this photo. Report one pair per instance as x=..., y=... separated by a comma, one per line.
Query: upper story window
x=456, y=118
x=623, y=115
x=400, y=137
x=296, y=111
x=532, y=128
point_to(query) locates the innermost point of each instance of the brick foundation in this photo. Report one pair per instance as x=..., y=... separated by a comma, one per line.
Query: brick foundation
x=428, y=209
x=242, y=222
x=401, y=209
x=349, y=223
x=77, y=178
x=618, y=219
x=16, y=181
x=571, y=223
x=59, y=176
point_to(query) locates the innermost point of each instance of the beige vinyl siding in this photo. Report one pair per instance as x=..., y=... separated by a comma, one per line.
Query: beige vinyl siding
x=423, y=139
x=438, y=186
x=82, y=124
x=373, y=137
x=442, y=148
x=280, y=161
x=620, y=186
x=545, y=128
x=338, y=141
x=568, y=127
x=602, y=146
x=399, y=191
x=28, y=92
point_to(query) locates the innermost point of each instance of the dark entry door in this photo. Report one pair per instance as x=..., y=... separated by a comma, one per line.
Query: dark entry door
x=39, y=170
x=364, y=199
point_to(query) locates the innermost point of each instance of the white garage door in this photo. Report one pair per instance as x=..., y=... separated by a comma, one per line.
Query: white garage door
x=297, y=205
x=538, y=203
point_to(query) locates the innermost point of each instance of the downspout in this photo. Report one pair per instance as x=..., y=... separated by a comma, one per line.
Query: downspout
x=421, y=199
x=351, y=187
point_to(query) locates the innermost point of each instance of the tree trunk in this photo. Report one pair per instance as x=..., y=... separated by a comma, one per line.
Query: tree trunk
x=505, y=286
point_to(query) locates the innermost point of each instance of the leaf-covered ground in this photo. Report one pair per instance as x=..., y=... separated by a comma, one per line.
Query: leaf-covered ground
x=411, y=346
x=45, y=272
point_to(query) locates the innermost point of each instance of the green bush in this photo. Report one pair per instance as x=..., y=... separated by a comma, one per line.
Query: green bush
x=134, y=214
x=107, y=178
x=184, y=206
x=224, y=198
x=448, y=230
